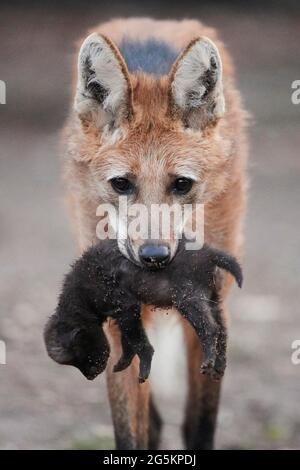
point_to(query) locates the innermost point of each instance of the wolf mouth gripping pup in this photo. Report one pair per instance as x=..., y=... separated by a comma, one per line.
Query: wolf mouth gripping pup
x=103, y=283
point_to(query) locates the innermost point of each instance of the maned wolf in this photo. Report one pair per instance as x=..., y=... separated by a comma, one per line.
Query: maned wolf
x=157, y=118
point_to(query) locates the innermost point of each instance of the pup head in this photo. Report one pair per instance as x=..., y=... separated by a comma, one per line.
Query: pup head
x=86, y=349
x=151, y=139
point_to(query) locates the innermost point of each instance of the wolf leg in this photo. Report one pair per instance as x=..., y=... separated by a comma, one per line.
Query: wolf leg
x=129, y=400
x=202, y=398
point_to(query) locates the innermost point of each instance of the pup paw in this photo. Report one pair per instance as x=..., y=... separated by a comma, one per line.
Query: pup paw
x=93, y=366
x=210, y=368
x=123, y=362
x=145, y=363
x=216, y=375
x=207, y=367
x=220, y=366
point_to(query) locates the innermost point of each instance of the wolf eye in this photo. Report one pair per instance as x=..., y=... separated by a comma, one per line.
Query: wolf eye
x=182, y=185
x=122, y=185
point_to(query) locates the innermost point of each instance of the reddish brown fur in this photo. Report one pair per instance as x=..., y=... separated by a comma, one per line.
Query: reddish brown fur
x=155, y=145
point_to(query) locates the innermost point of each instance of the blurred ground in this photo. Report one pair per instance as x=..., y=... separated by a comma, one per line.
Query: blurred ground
x=45, y=406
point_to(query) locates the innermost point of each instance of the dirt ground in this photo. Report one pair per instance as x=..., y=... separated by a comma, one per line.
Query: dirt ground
x=45, y=406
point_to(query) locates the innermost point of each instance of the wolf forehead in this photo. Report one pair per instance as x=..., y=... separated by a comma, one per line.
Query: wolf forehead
x=150, y=56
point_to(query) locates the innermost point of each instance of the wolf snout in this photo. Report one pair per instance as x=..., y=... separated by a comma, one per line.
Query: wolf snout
x=154, y=255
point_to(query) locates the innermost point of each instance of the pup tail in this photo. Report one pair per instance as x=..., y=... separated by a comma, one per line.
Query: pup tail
x=230, y=264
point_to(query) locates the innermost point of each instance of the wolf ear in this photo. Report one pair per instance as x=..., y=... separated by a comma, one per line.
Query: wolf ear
x=196, y=88
x=104, y=93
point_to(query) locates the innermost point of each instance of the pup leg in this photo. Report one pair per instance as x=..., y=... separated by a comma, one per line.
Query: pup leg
x=202, y=399
x=128, y=354
x=135, y=340
x=128, y=400
x=200, y=317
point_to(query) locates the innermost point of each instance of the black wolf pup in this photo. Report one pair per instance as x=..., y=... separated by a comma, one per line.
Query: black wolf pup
x=103, y=283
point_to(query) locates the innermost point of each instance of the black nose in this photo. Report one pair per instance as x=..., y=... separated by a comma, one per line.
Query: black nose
x=153, y=255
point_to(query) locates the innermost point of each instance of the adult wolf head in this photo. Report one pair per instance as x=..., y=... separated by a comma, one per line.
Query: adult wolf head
x=149, y=127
